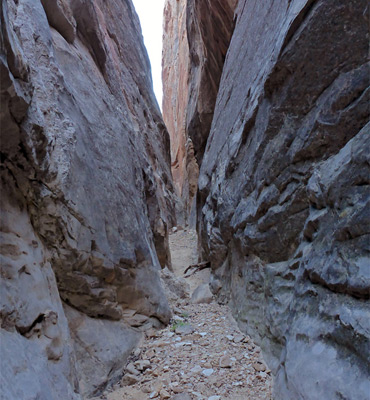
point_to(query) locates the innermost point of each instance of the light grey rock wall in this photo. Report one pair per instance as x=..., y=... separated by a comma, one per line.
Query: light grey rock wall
x=86, y=200
x=283, y=211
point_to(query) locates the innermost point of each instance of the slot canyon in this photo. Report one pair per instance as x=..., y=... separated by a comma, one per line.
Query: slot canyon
x=215, y=250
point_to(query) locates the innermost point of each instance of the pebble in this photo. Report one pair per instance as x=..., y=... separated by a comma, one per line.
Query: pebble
x=164, y=395
x=129, y=379
x=208, y=372
x=131, y=369
x=196, y=369
x=259, y=367
x=142, y=365
x=238, y=338
x=225, y=362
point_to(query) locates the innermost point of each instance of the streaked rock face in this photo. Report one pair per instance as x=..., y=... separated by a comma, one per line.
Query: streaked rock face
x=284, y=191
x=86, y=194
x=175, y=77
x=196, y=38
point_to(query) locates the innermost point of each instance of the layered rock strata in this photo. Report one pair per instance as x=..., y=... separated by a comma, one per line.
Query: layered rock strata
x=195, y=42
x=86, y=196
x=283, y=210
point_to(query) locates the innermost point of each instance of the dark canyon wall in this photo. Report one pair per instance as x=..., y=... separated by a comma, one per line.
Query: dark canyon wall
x=283, y=201
x=86, y=196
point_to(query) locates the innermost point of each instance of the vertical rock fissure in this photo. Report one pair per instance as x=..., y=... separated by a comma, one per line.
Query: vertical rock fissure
x=196, y=39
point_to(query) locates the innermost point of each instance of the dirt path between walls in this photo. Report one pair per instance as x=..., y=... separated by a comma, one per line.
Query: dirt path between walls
x=201, y=355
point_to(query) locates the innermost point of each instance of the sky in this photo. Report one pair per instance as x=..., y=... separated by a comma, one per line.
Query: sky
x=150, y=13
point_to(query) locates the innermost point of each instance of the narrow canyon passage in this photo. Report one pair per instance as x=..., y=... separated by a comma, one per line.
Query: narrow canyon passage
x=201, y=355
x=262, y=148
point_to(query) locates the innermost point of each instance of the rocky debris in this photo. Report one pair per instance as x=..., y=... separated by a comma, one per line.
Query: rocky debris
x=214, y=360
x=130, y=369
x=202, y=294
x=86, y=195
x=198, y=366
x=283, y=189
x=176, y=286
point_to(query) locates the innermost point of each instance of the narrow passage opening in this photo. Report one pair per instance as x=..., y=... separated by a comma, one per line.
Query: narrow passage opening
x=201, y=354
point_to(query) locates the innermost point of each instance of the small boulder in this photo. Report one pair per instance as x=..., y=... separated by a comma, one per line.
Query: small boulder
x=202, y=294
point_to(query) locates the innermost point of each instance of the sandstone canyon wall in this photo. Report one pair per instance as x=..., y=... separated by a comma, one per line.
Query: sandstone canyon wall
x=175, y=77
x=86, y=196
x=195, y=42
x=283, y=201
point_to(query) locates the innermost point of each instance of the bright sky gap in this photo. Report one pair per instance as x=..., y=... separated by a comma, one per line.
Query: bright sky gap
x=150, y=13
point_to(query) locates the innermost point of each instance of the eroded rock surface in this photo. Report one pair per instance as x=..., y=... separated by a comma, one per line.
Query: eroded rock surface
x=196, y=39
x=86, y=195
x=284, y=192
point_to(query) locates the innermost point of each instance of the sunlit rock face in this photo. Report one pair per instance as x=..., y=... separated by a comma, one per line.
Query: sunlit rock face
x=175, y=77
x=195, y=42
x=86, y=195
x=283, y=211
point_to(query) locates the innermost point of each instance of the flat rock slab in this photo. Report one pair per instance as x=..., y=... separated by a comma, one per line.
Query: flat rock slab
x=186, y=329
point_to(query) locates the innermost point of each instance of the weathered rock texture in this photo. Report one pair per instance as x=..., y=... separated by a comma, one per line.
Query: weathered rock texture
x=284, y=191
x=196, y=38
x=175, y=77
x=86, y=199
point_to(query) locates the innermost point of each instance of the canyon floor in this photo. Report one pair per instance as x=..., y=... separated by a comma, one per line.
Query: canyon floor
x=201, y=355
